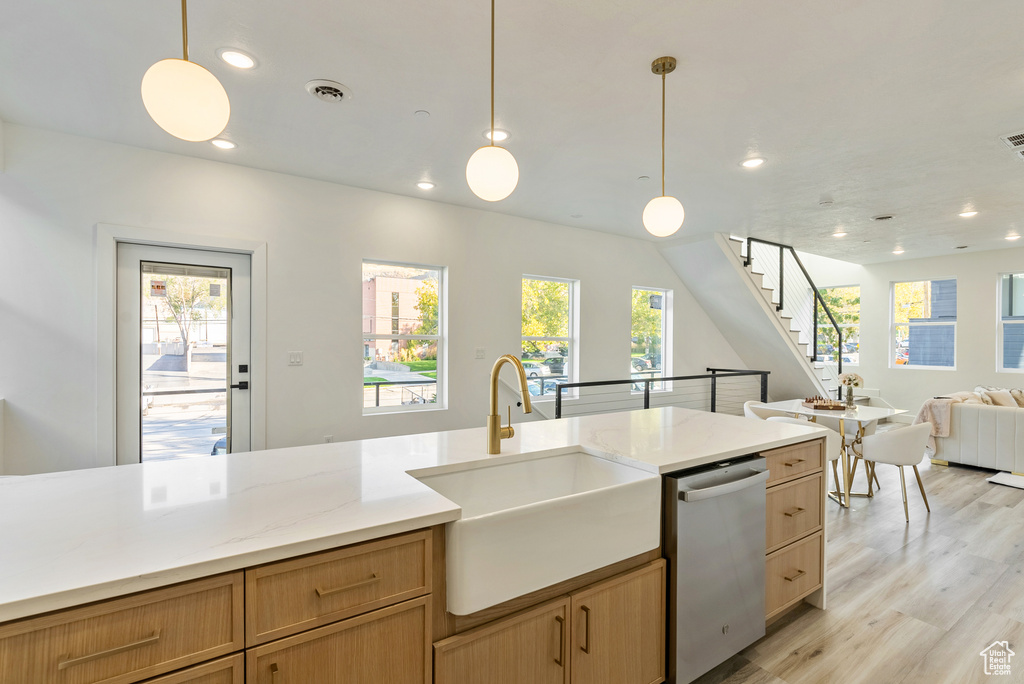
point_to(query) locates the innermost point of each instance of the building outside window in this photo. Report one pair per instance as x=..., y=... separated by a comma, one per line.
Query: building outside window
x=549, y=334
x=649, y=345
x=923, y=323
x=403, y=337
x=1011, y=322
x=844, y=304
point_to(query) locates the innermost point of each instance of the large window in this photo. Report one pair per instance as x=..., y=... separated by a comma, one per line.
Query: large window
x=649, y=347
x=923, y=330
x=1011, y=322
x=403, y=337
x=844, y=303
x=548, y=334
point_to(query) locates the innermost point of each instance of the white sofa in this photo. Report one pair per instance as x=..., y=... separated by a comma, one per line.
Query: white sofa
x=984, y=436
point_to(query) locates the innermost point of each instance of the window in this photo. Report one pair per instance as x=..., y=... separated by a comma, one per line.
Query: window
x=548, y=334
x=403, y=337
x=923, y=329
x=844, y=303
x=649, y=346
x=1011, y=322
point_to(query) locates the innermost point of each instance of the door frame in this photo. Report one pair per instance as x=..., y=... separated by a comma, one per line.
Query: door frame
x=107, y=237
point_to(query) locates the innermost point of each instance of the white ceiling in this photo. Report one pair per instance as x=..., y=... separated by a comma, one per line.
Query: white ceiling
x=886, y=107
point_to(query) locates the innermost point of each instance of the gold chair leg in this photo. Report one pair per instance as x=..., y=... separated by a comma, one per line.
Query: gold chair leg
x=878, y=485
x=839, y=484
x=903, y=482
x=920, y=484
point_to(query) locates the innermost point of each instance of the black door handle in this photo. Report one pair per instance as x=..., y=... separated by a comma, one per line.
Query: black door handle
x=242, y=385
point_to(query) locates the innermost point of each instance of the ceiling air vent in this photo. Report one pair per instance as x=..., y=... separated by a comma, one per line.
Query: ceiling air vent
x=882, y=217
x=1014, y=141
x=328, y=91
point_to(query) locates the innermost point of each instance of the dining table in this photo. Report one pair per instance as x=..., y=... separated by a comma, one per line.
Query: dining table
x=860, y=414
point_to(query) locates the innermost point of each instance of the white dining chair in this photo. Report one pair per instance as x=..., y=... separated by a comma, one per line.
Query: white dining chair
x=755, y=409
x=900, y=447
x=833, y=454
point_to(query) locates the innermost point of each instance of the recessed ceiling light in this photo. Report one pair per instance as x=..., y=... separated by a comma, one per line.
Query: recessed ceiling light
x=223, y=144
x=839, y=233
x=1013, y=237
x=500, y=135
x=236, y=58
x=752, y=163
x=968, y=214
x=897, y=251
x=425, y=185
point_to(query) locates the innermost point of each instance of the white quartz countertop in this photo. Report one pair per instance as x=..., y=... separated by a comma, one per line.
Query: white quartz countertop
x=73, y=537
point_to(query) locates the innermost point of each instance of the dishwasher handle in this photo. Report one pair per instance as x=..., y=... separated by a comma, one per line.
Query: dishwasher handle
x=756, y=477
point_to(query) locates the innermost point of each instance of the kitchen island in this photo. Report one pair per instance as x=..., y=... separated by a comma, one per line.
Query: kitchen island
x=77, y=537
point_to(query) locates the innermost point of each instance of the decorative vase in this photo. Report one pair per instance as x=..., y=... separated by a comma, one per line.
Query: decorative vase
x=849, y=397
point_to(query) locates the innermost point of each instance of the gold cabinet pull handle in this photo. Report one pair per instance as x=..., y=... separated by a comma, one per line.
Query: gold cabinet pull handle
x=798, y=575
x=70, y=662
x=795, y=512
x=790, y=464
x=560, y=660
x=586, y=627
x=365, y=583
x=273, y=673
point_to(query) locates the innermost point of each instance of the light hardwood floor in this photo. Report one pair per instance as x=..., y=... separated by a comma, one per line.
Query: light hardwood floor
x=907, y=604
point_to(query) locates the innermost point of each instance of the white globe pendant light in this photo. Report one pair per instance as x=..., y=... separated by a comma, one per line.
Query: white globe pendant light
x=183, y=98
x=492, y=172
x=663, y=215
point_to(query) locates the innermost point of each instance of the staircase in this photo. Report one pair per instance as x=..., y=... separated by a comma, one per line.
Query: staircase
x=761, y=298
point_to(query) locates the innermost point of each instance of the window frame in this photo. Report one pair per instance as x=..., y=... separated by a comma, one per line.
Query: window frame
x=1001, y=323
x=893, y=325
x=441, y=338
x=666, y=335
x=572, y=341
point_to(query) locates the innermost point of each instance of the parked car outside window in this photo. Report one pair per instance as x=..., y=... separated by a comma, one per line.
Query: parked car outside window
x=534, y=369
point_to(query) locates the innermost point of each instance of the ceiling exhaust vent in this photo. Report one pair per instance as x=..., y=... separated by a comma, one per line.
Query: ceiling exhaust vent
x=1014, y=141
x=328, y=91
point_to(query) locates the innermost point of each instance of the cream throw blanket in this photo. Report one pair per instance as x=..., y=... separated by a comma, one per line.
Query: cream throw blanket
x=937, y=412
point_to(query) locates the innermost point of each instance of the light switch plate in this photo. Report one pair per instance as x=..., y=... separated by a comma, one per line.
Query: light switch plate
x=480, y=352
x=294, y=358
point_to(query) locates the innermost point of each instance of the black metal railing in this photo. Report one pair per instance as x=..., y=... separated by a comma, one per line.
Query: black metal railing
x=413, y=396
x=819, y=300
x=713, y=391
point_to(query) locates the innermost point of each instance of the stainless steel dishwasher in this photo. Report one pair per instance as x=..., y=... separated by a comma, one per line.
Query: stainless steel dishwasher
x=715, y=543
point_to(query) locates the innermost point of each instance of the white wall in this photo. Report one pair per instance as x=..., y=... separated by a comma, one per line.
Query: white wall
x=56, y=188
x=976, y=274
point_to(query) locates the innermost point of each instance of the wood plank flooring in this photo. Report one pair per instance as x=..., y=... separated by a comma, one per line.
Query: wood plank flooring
x=907, y=604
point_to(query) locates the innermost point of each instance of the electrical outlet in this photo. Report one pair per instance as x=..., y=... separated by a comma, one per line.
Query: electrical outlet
x=480, y=352
x=294, y=358
x=328, y=439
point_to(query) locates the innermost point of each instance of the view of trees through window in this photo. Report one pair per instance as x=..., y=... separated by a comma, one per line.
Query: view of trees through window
x=647, y=354
x=923, y=321
x=547, y=334
x=402, y=343
x=844, y=304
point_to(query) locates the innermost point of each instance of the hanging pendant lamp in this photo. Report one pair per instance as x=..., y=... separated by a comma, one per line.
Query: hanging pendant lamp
x=492, y=172
x=183, y=98
x=663, y=215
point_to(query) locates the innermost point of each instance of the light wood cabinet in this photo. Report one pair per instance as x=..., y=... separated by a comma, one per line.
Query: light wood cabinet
x=230, y=670
x=795, y=552
x=618, y=629
x=128, y=639
x=611, y=632
x=387, y=646
x=531, y=646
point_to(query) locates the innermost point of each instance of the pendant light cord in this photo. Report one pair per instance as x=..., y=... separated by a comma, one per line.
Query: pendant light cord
x=184, y=31
x=663, y=133
x=492, y=72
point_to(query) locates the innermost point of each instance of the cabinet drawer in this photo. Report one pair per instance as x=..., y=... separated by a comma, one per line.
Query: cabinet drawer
x=793, y=510
x=295, y=595
x=791, y=573
x=127, y=639
x=230, y=670
x=794, y=461
x=390, y=645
